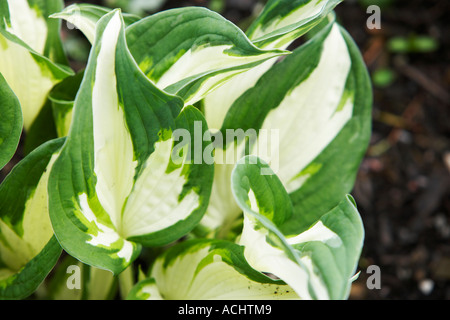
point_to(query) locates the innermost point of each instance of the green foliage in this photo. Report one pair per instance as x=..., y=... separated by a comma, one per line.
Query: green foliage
x=413, y=44
x=383, y=77
x=188, y=160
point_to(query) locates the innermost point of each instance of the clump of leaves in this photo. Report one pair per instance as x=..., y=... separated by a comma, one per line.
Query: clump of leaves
x=218, y=159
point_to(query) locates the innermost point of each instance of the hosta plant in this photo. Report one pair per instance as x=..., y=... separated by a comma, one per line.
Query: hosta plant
x=188, y=160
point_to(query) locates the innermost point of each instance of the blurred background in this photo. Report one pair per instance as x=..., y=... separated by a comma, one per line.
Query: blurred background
x=403, y=185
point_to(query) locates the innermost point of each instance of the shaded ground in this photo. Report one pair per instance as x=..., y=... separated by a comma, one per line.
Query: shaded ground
x=403, y=184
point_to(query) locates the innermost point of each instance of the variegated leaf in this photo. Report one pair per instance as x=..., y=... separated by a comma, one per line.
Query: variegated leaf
x=203, y=269
x=312, y=114
x=192, y=51
x=62, y=98
x=28, y=248
x=10, y=124
x=186, y=51
x=281, y=22
x=319, y=262
x=85, y=16
x=145, y=290
x=115, y=186
x=31, y=56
